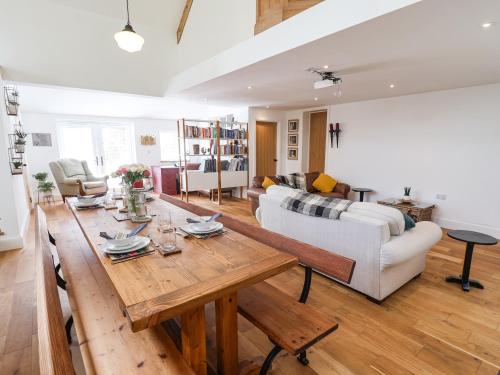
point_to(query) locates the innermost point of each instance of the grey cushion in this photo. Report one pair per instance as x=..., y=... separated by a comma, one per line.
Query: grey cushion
x=94, y=184
x=73, y=168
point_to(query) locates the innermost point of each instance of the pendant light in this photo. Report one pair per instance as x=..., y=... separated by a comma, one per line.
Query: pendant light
x=128, y=39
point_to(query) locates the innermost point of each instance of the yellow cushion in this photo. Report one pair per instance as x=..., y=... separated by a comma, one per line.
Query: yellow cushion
x=324, y=183
x=267, y=182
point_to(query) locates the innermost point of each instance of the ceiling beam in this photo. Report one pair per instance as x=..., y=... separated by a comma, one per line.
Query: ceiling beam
x=182, y=23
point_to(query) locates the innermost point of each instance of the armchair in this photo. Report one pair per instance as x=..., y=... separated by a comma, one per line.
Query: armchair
x=73, y=177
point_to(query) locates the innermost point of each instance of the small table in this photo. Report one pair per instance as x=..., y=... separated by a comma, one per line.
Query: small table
x=418, y=211
x=362, y=192
x=471, y=238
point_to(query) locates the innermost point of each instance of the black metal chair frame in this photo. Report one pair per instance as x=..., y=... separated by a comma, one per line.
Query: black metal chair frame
x=61, y=283
x=302, y=357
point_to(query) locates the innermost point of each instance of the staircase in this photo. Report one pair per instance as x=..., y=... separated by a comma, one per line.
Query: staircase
x=272, y=12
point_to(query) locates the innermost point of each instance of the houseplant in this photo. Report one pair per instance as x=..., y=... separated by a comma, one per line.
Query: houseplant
x=17, y=167
x=407, y=196
x=20, y=141
x=41, y=176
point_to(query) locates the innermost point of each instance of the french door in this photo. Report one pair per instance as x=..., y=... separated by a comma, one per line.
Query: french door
x=105, y=146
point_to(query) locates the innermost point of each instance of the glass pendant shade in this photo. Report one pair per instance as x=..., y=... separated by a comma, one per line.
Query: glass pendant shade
x=129, y=40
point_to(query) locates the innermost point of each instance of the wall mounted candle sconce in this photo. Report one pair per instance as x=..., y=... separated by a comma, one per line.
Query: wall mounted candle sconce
x=334, y=132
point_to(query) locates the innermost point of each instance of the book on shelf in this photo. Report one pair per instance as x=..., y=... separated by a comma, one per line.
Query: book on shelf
x=211, y=133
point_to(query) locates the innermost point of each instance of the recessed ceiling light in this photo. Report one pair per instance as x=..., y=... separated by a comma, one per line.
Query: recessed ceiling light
x=249, y=87
x=316, y=99
x=487, y=25
x=325, y=66
x=267, y=107
x=392, y=85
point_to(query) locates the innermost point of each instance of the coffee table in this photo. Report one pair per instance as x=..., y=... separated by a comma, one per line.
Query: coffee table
x=362, y=192
x=471, y=238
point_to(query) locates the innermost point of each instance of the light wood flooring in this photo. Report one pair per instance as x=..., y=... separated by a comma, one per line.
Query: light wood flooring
x=427, y=327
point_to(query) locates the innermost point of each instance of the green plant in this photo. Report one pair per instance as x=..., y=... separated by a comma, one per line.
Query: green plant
x=41, y=176
x=17, y=164
x=407, y=190
x=46, y=186
x=20, y=137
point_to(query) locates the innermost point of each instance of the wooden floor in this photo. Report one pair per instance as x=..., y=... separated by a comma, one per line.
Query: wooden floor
x=427, y=327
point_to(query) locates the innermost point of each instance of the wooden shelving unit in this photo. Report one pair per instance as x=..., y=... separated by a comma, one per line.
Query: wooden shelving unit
x=208, y=136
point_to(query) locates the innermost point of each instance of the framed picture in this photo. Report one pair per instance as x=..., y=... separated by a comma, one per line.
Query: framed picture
x=293, y=139
x=293, y=126
x=293, y=153
x=41, y=139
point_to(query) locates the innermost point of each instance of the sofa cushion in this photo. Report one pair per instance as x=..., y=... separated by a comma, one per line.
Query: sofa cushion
x=299, y=181
x=267, y=182
x=73, y=169
x=94, y=184
x=324, y=183
x=392, y=216
x=412, y=243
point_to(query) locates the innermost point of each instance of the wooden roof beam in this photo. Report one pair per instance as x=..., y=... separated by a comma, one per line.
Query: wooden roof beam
x=182, y=23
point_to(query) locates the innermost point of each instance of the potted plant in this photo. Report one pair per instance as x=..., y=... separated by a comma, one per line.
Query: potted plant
x=17, y=167
x=20, y=141
x=41, y=176
x=132, y=176
x=46, y=187
x=407, y=196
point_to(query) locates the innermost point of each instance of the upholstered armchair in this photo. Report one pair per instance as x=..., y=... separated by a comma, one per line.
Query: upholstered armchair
x=73, y=177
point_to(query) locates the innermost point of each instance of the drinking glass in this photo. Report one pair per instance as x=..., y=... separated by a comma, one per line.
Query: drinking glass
x=166, y=231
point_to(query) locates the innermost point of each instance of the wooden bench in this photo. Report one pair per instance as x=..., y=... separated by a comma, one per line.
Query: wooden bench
x=54, y=354
x=106, y=342
x=290, y=324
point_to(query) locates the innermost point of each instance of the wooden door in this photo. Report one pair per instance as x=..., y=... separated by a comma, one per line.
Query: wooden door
x=266, y=148
x=317, y=141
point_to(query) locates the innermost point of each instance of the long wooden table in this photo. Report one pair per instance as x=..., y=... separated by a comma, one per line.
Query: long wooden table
x=154, y=288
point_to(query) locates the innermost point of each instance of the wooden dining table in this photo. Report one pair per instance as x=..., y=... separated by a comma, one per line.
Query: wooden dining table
x=156, y=288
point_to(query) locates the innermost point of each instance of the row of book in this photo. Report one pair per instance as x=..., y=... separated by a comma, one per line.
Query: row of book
x=211, y=132
x=235, y=164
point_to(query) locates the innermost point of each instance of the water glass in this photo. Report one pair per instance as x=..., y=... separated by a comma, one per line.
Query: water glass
x=166, y=231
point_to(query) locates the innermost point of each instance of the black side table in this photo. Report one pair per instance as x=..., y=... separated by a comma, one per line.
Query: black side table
x=471, y=238
x=362, y=192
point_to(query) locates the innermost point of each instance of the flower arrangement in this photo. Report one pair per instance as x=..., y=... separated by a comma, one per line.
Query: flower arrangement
x=133, y=174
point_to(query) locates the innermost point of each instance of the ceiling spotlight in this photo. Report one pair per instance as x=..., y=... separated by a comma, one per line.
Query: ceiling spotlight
x=315, y=99
x=487, y=25
x=249, y=87
x=392, y=85
x=128, y=39
x=325, y=66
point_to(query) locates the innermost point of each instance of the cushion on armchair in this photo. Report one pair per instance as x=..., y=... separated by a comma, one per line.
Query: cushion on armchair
x=324, y=183
x=73, y=168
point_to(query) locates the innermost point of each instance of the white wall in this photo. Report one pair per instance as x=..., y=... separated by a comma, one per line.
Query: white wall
x=444, y=142
x=47, y=123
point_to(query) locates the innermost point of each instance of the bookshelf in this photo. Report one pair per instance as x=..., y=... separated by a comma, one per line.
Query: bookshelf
x=222, y=149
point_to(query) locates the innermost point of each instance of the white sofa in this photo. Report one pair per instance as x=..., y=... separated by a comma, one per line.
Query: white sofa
x=373, y=235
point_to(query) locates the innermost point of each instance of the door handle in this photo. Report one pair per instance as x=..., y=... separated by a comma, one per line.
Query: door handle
x=275, y=159
x=102, y=161
x=96, y=161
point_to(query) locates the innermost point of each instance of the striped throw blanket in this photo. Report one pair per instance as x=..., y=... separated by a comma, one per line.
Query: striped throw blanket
x=316, y=205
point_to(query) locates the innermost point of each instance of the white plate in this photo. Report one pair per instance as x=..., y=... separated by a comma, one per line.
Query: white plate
x=116, y=246
x=87, y=204
x=143, y=242
x=196, y=228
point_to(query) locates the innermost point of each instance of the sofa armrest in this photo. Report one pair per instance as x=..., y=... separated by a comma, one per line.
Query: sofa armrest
x=92, y=178
x=71, y=181
x=343, y=189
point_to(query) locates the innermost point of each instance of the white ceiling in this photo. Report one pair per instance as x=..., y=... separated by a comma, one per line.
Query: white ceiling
x=70, y=43
x=431, y=45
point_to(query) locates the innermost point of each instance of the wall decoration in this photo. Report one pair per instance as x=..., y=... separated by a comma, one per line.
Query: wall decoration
x=293, y=139
x=293, y=126
x=41, y=139
x=334, y=132
x=148, y=140
x=293, y=153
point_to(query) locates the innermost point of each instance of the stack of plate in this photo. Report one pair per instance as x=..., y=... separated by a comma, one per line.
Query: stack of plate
x=203, y=227
x=87, y=202
x=125, y=246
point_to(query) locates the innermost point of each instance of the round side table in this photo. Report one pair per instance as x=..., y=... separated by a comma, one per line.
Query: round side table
x=362, y=192
x=471, y=238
